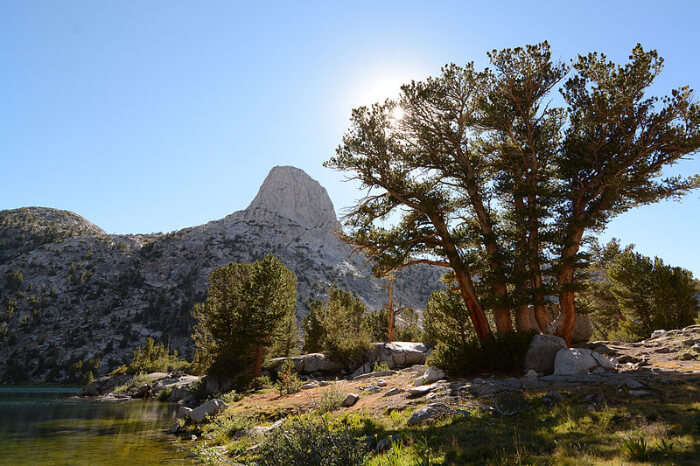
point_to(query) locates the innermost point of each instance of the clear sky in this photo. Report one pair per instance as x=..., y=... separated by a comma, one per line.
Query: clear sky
x=157, y=115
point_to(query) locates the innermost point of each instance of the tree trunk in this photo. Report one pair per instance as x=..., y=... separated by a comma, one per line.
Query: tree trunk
x=390, y=312
x=258, y=361
x=567, y=295
x=541, y=317
x=523, y=323
x=476, y=313
x=501, y=312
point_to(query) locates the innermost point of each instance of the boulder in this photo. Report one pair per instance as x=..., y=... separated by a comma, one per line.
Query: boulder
x=350, y=399
x=422, y=390
x=541, y=353
x=183, y=412
x=306, y=363
x=574, y=361
x=582, y=331
x=429, y=412
x=399, y=354
x=369, y=375
x=209, y=408
x=394, y=391
x=657, y=333
x=433, y=374
x=602, y=361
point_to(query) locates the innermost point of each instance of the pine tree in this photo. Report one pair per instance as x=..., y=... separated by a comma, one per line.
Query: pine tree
x=490, y=181
x=249, y=311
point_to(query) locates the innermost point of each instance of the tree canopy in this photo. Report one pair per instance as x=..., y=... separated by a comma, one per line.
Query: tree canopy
x=492, y=181
x=631, y=295
x=248, y=311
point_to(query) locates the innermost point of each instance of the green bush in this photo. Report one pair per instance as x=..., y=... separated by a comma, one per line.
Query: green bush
x=331, y=399
x=338, y=328
x=153, y=357
x=260, y=383
x=502, y=353
x=312, y=441
x=288, y=382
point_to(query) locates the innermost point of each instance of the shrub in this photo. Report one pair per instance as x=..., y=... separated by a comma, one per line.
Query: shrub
x=261, y=382
x=338, y=328
x=154, y=357
x=312, y=440
x=380, y=366
x=331, y=399
x=288, y=382
x=249, y=314
x=504, y=352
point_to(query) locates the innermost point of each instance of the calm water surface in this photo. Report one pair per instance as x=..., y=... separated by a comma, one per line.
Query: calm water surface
x=49, y=426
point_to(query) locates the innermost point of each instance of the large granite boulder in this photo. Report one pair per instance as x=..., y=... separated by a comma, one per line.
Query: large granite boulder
x=209, y=408
x=399, y=354
x=582, y=331
x=574, y=361
x=306, y=363
x=542, y=352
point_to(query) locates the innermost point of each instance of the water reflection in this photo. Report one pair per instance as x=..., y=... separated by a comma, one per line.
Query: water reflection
x=49, y=426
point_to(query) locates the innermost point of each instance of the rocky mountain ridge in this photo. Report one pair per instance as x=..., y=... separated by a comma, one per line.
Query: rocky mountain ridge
x=75, y=300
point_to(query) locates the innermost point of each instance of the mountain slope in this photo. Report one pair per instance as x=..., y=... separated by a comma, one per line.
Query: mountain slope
x=76, y=297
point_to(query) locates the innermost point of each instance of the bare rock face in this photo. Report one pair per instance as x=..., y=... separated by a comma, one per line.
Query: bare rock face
x=289, y=192
x=70, y=292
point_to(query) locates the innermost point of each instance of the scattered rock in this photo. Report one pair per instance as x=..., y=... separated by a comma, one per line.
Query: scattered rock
x=542, y=352
x=350, y=400
x=394, y=391
x=433, y=374
x=312, y=384
x=381, y=383
x=369, y=375
x=639, y=393
x=423, y=390
x=429, y=412
x=372, y=389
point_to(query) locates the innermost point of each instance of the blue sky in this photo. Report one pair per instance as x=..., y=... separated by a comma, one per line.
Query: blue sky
x=153, y=116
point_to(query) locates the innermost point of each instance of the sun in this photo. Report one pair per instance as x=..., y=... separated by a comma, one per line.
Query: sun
x=397, y=113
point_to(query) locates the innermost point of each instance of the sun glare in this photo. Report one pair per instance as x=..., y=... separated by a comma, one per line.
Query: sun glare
x=397, y=113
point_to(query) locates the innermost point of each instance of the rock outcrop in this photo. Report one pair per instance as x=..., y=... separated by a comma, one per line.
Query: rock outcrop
x=75, y=300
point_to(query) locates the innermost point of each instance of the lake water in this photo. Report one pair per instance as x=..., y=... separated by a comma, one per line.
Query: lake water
x=50, y=426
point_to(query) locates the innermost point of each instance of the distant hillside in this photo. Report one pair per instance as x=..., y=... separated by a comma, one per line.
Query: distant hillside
x=75, y=299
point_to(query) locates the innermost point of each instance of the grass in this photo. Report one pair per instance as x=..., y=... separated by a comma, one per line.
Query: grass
x=662, y=429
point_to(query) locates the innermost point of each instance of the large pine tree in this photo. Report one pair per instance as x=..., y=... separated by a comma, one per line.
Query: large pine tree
x=250, y=309
x=491, y=181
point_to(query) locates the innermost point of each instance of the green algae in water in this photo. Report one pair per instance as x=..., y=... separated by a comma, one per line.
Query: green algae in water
x=49, y=426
